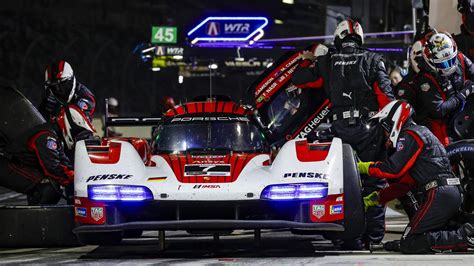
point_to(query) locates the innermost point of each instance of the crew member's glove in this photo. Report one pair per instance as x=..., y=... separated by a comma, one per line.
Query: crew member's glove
x=467, y=90
x=307, y=55
x=371, y=200
x=363, y=167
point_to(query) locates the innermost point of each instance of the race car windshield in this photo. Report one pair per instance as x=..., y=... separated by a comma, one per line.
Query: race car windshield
x=209, y=136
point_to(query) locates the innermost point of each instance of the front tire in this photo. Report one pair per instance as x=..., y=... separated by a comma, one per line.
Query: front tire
x=354, y=216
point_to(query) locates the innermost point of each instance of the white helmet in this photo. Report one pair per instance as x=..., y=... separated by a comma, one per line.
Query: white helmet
x=347, y=28
x=74, y=125
x=440, y=53
x=59, y=78
x=416, y=53
x=392, y=118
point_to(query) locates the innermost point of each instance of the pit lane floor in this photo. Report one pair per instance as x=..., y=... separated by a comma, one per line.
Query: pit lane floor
x=277, y=247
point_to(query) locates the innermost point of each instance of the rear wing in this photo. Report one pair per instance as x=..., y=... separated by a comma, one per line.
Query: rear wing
x=122, y=121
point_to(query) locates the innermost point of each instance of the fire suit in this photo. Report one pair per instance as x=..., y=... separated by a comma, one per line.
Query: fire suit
x=83, y=98
x=422, y=162
x=34, y=163
x=438, y=98
x=356, y=82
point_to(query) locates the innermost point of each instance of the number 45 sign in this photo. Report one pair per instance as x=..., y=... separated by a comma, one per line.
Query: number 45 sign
x=164, y=34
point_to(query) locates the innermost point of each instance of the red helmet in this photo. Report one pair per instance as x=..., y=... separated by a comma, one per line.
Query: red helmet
x=60, y=79
x=393, y=117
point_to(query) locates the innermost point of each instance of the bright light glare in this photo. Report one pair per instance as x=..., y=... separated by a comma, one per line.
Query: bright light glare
x=269, y=65
x=278, y=21
x=180, y=79
x=155, y=69
x=289, y=2
x=213, y=66
x=177, y=57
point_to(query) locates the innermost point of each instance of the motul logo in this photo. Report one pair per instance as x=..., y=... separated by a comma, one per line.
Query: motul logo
x=237, y=28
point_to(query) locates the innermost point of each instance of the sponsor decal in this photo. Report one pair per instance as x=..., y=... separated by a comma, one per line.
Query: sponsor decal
x=77, y=201
x=161, y=178
x=425, y=87
x=206, y=186
x=400, y=146
x=97, y=213
x=460, y=149
x=108, y=177
x=345, y=63
x=81, y=212
x=335, y=209
x=210, y=118
x=83, y=104
x=236, y=28
x=305, y=175
x=348, y=95
x=313, y=123
x=207, y=169
x=51, y=143
x=213, y=29
x=319, y=211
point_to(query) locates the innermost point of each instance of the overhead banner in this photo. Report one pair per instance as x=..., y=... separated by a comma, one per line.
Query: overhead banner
x=228, y=29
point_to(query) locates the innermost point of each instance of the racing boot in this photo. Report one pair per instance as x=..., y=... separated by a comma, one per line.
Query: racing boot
x=392, y=246
x=467, y=230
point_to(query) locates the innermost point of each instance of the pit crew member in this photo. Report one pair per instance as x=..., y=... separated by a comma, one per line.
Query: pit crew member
x=465, y=39
x=62, y=88
x=357, y=84
x=35, y=164
x=444, y=85
x=420, y=159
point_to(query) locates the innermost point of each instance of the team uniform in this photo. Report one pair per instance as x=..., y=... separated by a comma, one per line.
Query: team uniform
x=356, y=82
x=33, y=163
x=420, y=161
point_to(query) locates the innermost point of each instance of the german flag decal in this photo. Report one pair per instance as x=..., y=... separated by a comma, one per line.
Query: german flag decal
x=161, y=178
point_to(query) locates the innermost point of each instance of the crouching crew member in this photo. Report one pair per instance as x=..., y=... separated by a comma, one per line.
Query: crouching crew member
x=420, y=159
x=35, y=164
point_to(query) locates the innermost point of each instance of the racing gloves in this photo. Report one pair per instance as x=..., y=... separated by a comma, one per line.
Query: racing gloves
x=363, y=167
x=371, y=200
x=467, y=90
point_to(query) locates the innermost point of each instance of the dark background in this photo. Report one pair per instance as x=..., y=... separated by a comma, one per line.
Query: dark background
x=98, y=39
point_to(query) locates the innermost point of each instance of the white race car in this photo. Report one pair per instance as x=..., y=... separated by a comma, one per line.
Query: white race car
x=212, y=171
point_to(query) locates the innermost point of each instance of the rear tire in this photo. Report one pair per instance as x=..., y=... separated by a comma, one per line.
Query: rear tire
x=354, y=215
x=101, y=239
x=37, y=226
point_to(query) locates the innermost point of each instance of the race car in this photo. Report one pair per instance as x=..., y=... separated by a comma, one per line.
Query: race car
x=209, y=168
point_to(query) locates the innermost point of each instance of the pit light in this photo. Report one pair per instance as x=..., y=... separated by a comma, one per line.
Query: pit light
x=119, y=193
x=295, y=191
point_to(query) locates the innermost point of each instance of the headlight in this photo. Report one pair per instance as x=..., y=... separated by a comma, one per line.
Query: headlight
x=119, y=193
x=295, y=191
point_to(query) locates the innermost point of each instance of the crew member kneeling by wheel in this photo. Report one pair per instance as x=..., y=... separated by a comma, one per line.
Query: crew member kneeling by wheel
x=421, y=157
x=35, y=164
